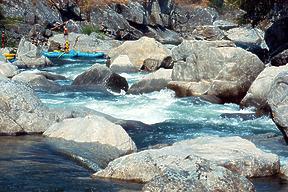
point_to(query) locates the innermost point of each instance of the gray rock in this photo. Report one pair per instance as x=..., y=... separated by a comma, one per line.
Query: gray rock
x=122, y=64
x=203, y=177
x=250, y=39
x=230, y=70
x=37, y=81
x=280, y=59
x=164, y=36
x=186, y=89
x=2, y=77
x=152, y=82
x=29, y=55
x=8, y=70
x=51, y=76
x=208, y=32
x=258, y=92
x=247, y=37
x=277, y=101
x=85, y=43
x=21, y=110
x=236, y=154
x=187, y=19
x=101, y=75
x=275, y=36
x=26, y=10
x=93, y=129
x=224, y=25
x=140, y=50
x=151, y=65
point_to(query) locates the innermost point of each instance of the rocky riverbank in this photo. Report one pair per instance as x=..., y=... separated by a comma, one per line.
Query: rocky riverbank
x=195, y=51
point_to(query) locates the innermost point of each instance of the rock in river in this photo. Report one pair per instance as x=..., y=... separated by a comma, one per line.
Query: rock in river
x=258, y=92
x=140, y=50
x=21, y=111
x=230, y=70
x=8, y=70
x=202, y=178
x=278, y=102
x=122, y=64
x=152, y=82
x=101, y=75
x=37, y=81
x=236, y=154
x=92, y=129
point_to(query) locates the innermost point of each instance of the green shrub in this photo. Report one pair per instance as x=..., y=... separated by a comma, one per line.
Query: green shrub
x=216, y=3
x=88, y=29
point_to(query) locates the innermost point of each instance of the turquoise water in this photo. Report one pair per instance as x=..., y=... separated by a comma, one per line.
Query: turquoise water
x=32, y=164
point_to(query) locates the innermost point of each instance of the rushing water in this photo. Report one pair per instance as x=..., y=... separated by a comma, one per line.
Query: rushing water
x=171, y=119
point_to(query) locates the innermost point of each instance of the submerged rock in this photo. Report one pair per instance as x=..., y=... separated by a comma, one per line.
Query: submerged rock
x=8, y=70
x=152, y=82
x=230, y=70
x=93, y=129
x=21, y=111
x=101, y=75
x=236, y=154
x=140, y=50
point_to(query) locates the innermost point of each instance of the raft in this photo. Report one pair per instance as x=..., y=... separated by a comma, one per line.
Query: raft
x=57, y=54
x=90, y=55
x=73, y=54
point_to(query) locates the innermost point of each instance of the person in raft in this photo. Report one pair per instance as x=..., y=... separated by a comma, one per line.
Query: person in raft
x=66, y=46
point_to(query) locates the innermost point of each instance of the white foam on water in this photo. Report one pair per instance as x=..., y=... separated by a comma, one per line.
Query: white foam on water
x=149, y=108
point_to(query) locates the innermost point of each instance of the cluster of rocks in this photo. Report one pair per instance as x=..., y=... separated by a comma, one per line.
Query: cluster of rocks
x=210, y=164
x=217, y=61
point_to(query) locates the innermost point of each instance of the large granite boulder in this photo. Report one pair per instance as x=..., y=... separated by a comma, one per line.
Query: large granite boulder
x=200, y=178
x=29, y=55
x=140, y=50
x=250, y=39
x=186, y=89
x=83, y=42
x=21, y=111
x=93, y=129
x=103, y=76
x=151, y=65
x=257, y=94
x=37, y=81
x=152, y=82
x=186, y=19
x=122, y=64
x=8, y=70
x=277, y=101
x=230, y=70
x=236, y=154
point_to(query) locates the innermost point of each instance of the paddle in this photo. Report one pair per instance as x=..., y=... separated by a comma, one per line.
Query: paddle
x=61, y=55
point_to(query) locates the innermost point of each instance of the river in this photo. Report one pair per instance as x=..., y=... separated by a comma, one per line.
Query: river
x=30, y=163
